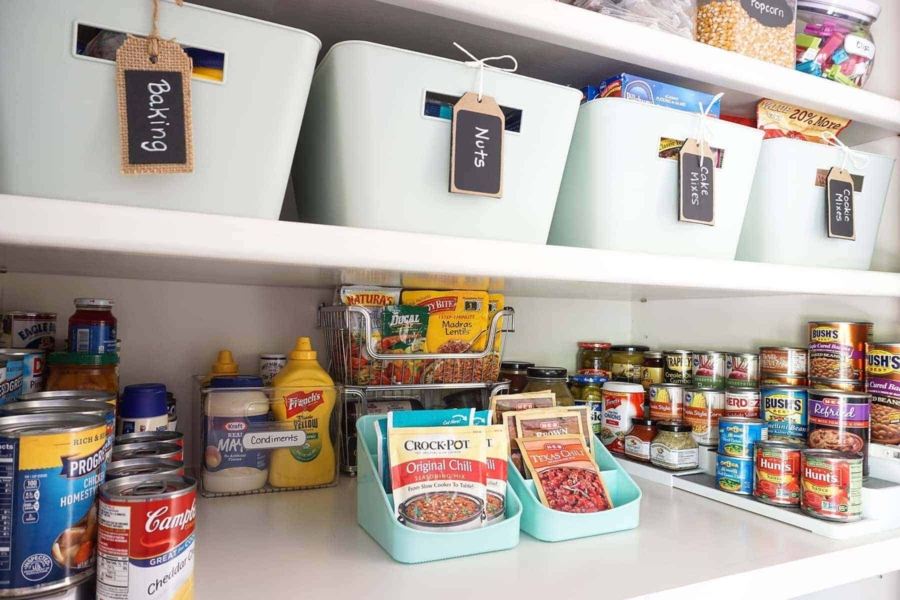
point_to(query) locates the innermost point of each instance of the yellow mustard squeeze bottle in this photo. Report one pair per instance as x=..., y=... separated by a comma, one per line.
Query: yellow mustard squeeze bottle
x=224, y=365
x=309, y=409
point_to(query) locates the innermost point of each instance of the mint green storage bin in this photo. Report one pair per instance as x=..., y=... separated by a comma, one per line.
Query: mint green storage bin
x=550, y=525
x=375, y=514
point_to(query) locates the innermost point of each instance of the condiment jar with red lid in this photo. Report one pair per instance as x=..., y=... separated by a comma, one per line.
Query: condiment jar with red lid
x=93, y=328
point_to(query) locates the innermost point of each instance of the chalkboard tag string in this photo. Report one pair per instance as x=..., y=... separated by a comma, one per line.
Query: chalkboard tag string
x=859, y=161
x=154, y=37
x=481, y=65
x=703, y=131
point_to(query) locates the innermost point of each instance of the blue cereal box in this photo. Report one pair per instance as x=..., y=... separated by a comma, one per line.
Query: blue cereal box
x=642, y=89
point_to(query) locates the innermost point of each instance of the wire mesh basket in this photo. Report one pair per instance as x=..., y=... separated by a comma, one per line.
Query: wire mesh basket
x=355, y=356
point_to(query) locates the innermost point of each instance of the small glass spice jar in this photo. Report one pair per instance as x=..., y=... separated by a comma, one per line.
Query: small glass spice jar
x=516, y=372
x=593, y=358
x=551, y=379
x=638, y=440
x=674, y=447
x=76, y=371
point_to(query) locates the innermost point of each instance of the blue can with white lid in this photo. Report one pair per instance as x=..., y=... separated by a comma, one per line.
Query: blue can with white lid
x=142, y=407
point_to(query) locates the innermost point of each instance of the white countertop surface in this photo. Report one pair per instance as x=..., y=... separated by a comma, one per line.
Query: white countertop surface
x=300, y=544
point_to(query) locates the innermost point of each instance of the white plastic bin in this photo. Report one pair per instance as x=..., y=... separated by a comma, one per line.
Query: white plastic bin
x=786, y=216
x=618, y=194
x=59, y=124
x=368, y=156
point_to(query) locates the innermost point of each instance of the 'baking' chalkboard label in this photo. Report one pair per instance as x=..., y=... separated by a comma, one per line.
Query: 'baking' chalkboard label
x=841, y=212
x=696, y=184
x=476, y=147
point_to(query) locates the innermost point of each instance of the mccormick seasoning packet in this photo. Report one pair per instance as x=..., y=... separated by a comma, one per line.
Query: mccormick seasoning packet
x=403, y=329
x=497, y=472
x=457, y=322
x=565, y=475
x=778, y=119
x=439, y=476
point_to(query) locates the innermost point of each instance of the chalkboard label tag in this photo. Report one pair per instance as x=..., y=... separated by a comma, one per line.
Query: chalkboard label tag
x=476, y=147
x=154, y=100
x=696, y=178
x=841, y=212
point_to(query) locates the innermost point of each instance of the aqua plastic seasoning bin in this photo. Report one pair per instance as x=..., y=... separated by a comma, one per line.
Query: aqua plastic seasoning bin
x=554, y=526
x=375, y=514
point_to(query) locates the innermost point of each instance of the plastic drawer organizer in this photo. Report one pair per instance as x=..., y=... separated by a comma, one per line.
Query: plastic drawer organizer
x=795, y=231
x=370, y=156
x=618, y=193
x=245, y=127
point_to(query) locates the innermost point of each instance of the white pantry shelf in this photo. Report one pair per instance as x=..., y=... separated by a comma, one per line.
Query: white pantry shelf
x=38, y=235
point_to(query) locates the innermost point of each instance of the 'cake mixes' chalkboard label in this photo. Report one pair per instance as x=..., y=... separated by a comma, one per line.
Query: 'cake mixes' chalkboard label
x=696, y=183
x=476, y=147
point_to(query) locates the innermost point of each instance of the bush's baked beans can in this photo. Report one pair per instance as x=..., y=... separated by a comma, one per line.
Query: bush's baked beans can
x=33, y=362
x=741, y=370
x=621, y=403
x=147, y=450
x=738, y=436
x=831, y=485
x=776, y=472
x=141, y=437
x=52, y=465
x=708, y=369
x=678, y=367
x=844, y=385
x=840, y=421
x=667, y=401
x=144, y=466
x=837, y=349
x=146, y=543
x=41, y=407
x=784, y=409
x=783, y=360
x=734, y=474
x=742, y=402
x=702, y=409
x=883, y=384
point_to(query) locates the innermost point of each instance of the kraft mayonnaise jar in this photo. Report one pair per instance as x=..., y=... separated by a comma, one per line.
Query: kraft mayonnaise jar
x=233, y=407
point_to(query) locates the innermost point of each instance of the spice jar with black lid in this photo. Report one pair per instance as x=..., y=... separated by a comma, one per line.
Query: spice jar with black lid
x=516, y=372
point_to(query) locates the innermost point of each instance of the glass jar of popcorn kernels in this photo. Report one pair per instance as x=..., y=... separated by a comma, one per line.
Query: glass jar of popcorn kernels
x=762, y=29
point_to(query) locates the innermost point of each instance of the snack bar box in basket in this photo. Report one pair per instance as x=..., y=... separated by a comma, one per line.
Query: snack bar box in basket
x=786, y=219
x=374, y=150
x=375, y=514
x=619, y=193
x=59, y=123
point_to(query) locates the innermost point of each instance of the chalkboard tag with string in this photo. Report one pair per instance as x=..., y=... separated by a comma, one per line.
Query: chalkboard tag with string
x=476, y=147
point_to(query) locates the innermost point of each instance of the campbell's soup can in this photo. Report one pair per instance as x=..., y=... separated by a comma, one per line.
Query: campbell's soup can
x=742, y=402
x=146, y=543
x=52, y=465
x=621, y=402
x=146, y=450
x=142, y=437
x=33, y=363
x=32, y=330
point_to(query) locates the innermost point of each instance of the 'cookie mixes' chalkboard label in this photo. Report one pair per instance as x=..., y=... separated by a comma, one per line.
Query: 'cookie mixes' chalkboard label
x=476, y=147
x=696, y=184
x=841, y=212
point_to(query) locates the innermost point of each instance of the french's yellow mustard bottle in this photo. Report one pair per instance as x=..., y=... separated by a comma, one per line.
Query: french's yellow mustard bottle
x=224, y=365
x=305, y=396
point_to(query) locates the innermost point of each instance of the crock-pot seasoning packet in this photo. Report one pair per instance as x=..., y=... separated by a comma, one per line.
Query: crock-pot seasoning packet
x=565, y=475
x=457, y=322
x=497, y=472
x=403, y=329
x=439, y=477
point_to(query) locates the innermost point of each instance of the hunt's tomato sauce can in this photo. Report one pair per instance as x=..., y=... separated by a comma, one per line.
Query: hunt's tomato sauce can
x=145, y=547
x=831, y=485
x=776, y=472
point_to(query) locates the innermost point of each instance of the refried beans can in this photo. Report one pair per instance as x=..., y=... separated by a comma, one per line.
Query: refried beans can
x=741, y=370
x=844, y=385
x=831, y=485
x=883, y=384
x=32, y=330
x=146, y=450
x=774, y=360
x=621, y=403
x=52, y=466
x=837, y=349
x=140, y=437
x=708, y=369
x=784, y=409
x=776, y=472
x=702, y=409
x=840, y=421
x=144, y=466
x=678, y=367
x=146, y=543
x=667, y=401
x=742, y=402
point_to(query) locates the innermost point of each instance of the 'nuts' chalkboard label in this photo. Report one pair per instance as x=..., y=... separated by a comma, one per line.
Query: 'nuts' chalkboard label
x=476, y=147
x=771, y=13
x=841, y=212
x=696, y=184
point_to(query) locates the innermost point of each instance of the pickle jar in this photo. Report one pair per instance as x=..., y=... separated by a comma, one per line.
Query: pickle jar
x=627, y=363
x=593, y=358
x=76, y=371
x=516, y=372
x=553, y=379
x=586, y=387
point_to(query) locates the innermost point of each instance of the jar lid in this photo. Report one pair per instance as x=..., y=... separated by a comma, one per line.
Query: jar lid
x=652, y=354
x=624, y=387
x=235, y=381
x=79, y=359
x=515, y=365
x=643, y=422
x=630, y=348
x=98, y=302
x=547, y=372
x=143, y=400
x=674, y=426
x=854, y=8
x=594, y=345
x=585, y=378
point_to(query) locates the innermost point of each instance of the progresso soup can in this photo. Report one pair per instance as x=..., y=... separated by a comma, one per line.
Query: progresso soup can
x=53, y=465
x=86, y=395
x=46, y=407
x=140, y=437
x=144, y=466
x=784, y=409
x=146, y=450
x=32, y=368
x=146, y=544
